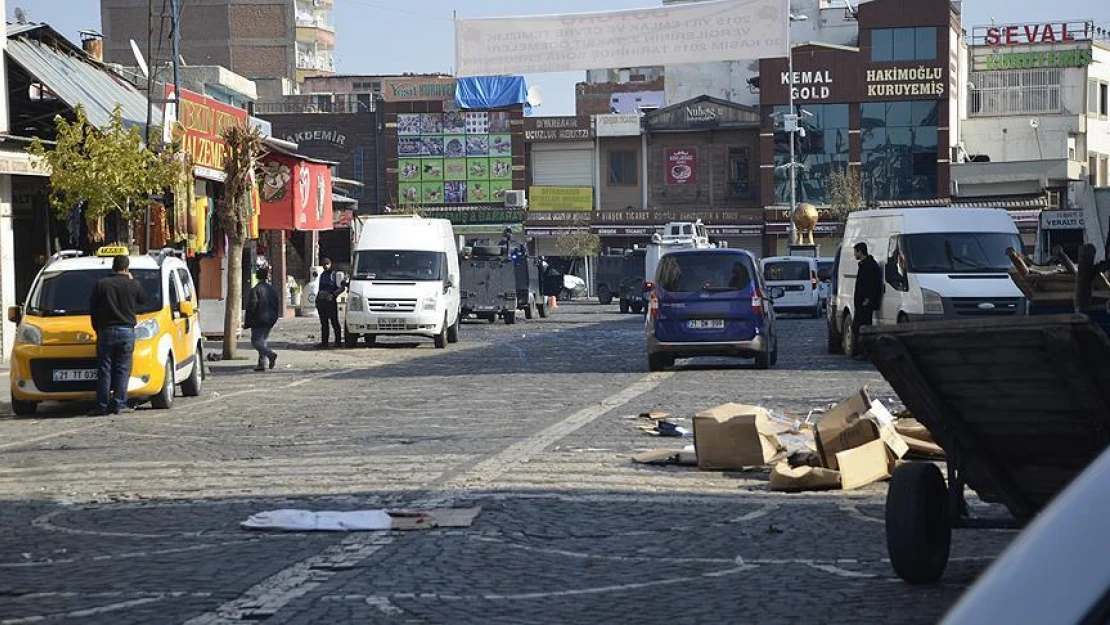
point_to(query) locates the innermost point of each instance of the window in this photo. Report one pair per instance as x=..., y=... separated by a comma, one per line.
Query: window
x=958, y=252
x=823, y=149
x=69, y=292
x=1103, y=99
x=690, y=273
x=739, y=173
x=1016, y=92
x=1092, y=97
x=903, y=44
x=622, y=167
x=186, y=283
x=899, y=149
x=399, y=265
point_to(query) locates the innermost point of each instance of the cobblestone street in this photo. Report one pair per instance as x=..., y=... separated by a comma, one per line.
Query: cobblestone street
x=135, y=518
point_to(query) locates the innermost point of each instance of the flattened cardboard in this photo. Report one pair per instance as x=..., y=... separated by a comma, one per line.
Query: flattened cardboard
x=863, y=465
x=894, y=441
x=843, y=427
x=919, y=447
x=408, y=520
x=787, y=479
x=666, y=456
x=733, y=436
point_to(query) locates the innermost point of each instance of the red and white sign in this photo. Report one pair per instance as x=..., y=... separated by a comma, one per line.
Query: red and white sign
x=1025, y=34
x=682, y=165
x=295, y=194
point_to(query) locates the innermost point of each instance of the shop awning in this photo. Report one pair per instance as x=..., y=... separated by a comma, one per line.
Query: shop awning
x=71, y=75
x=1010, y=202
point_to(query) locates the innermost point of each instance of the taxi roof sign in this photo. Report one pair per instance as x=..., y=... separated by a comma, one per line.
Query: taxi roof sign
x=113, y=250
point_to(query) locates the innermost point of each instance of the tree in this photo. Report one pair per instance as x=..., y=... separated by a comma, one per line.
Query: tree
x=845, y=192
x=242, y=148
x=579, y=242
x=109, y=170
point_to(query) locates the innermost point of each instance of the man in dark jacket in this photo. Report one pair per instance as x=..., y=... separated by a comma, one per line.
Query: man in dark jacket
x=327, y=305
x=868, y=295
x=263, y=310
x=112, y=307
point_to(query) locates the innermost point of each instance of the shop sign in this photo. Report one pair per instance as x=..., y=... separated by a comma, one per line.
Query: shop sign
x=295, y=194
x=613, y=125
x=1020, y=34
x=557, y=129
x=625, y=231
x=333, y=137
x=815, y=85
x=1031, y=60
x=1062, y=220
x=199, y=124
x=545, y=198
x=548, y=233
x=905, y=82
x=416, y=89
x=733, y=231
x=682, y=166
x=475, y=215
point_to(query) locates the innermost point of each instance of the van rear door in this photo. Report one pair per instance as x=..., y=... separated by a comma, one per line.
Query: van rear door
x=794, y=277
x=706, y=297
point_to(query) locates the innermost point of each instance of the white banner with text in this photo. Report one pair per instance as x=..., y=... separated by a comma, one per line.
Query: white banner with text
x=719, y=30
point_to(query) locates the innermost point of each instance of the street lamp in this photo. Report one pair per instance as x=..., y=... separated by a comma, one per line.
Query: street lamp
x=790, y=125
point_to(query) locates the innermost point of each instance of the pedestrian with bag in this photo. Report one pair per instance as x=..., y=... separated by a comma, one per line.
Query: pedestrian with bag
x=112, y=307
x=327, y=304
x=263, y=311
x=868, y=294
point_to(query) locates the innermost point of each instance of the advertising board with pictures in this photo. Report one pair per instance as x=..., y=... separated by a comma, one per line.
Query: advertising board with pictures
x=458, y=157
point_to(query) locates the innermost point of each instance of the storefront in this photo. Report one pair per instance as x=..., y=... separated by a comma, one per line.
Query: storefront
x=559, y=151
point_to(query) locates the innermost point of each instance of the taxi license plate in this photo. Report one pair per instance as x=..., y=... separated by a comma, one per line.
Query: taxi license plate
x=706, y=324
x=391, y=322
x=75, y=375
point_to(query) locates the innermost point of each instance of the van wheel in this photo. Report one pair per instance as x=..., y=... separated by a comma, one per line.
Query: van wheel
x=542, y=310
x=659, y=362
x=350, y=339
x=441, y=338
x=370, y=339
x=191, y=386
x=833, y=338
x=847, y=338
x=637, y=308
x=164, y=399
x=624, y=307
x=775, y=353
x=763, y=360
x=902, y=318
x=604, y=295
x=23, y=408
x=530, y=310
x=453, y=330
x=816, y=314
x=510, y=317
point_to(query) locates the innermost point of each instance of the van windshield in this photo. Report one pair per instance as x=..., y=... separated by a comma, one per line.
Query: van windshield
x=959, y=252
x=64, y=293
x=399, y=265
x=689, y=273
x=786, y=271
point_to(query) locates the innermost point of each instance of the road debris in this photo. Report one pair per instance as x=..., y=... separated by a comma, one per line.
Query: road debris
x=293, y=520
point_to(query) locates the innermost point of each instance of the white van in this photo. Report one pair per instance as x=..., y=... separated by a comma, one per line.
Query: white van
x=937, y=263
x=404, y=280
x=797, y=277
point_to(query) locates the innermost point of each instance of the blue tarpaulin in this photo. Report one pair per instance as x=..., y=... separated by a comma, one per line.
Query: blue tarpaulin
x=491, y=92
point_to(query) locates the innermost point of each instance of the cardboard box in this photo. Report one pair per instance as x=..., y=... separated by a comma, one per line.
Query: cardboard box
x=789, y=479
x=865, y=464
x=733, y=436
x=844, y=428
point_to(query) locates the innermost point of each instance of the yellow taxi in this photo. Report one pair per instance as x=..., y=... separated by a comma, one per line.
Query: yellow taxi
x=54, y=357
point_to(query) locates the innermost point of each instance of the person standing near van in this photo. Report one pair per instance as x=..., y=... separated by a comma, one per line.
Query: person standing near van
x=327, y=304
x=112, y=307
x=263, y=310
x=868, y=294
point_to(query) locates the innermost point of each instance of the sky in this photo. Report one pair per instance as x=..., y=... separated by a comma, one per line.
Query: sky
x=382, y=37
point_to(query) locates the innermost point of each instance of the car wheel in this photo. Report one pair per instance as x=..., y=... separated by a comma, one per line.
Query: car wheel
x=510, y=317
x=351, y=339
x=775, y=354
x=529, y=310
x=453, y=331
x=902, y=318
x=441, y=338
x=918, y=531
x=659, y=362
x=847, y=338
x=816, y=313
x=833, y=338
x=164, y=399
x=637, y=308
x=624, y=307
x=491, y=318
x=23, y=408
x=604, y=295
x=371, y=339
x=763, y=360
x=192, y=385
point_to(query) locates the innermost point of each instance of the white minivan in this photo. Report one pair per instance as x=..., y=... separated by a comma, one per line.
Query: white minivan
x=404, y=280
x=797, y=277
x=936, y=262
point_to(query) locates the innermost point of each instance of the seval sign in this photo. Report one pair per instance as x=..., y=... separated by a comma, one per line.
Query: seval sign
x=1022, y=34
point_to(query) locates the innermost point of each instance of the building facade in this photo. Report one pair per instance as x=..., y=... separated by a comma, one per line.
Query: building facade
x=290, y=39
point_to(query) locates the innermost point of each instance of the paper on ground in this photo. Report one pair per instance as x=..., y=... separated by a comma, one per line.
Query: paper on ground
x=360, y=520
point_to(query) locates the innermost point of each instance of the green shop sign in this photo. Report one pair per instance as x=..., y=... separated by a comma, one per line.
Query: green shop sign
x=474, y=215
x=1031, y=60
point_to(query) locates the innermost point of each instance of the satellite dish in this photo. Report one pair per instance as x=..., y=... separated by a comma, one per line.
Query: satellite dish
x=20, y=15
x=535, y=96
x=139, y=60
x=1034, y=123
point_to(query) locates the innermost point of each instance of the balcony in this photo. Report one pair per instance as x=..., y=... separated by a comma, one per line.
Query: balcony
x=308, y=20
x=319, y=103
x=322, y=62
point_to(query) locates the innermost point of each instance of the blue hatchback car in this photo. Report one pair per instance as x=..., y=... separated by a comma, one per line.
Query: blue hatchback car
x=709, y=302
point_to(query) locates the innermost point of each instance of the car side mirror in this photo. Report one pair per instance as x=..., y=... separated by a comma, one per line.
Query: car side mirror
x=777, y=292
x=187, y=308
x=449, y=282
x=893, y=276
x=15, y=314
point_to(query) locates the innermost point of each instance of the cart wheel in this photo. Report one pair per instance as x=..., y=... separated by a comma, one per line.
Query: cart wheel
x=918, y=529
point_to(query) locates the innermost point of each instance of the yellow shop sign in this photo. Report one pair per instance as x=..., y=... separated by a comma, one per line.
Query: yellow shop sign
x=544, y=198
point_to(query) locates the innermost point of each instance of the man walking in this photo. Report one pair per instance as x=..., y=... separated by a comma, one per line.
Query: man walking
x=263, y=310
x=868, y=294
x=112, y=308
x=327, y=305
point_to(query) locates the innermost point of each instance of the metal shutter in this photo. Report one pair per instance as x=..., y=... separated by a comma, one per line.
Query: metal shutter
x=562, y=166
